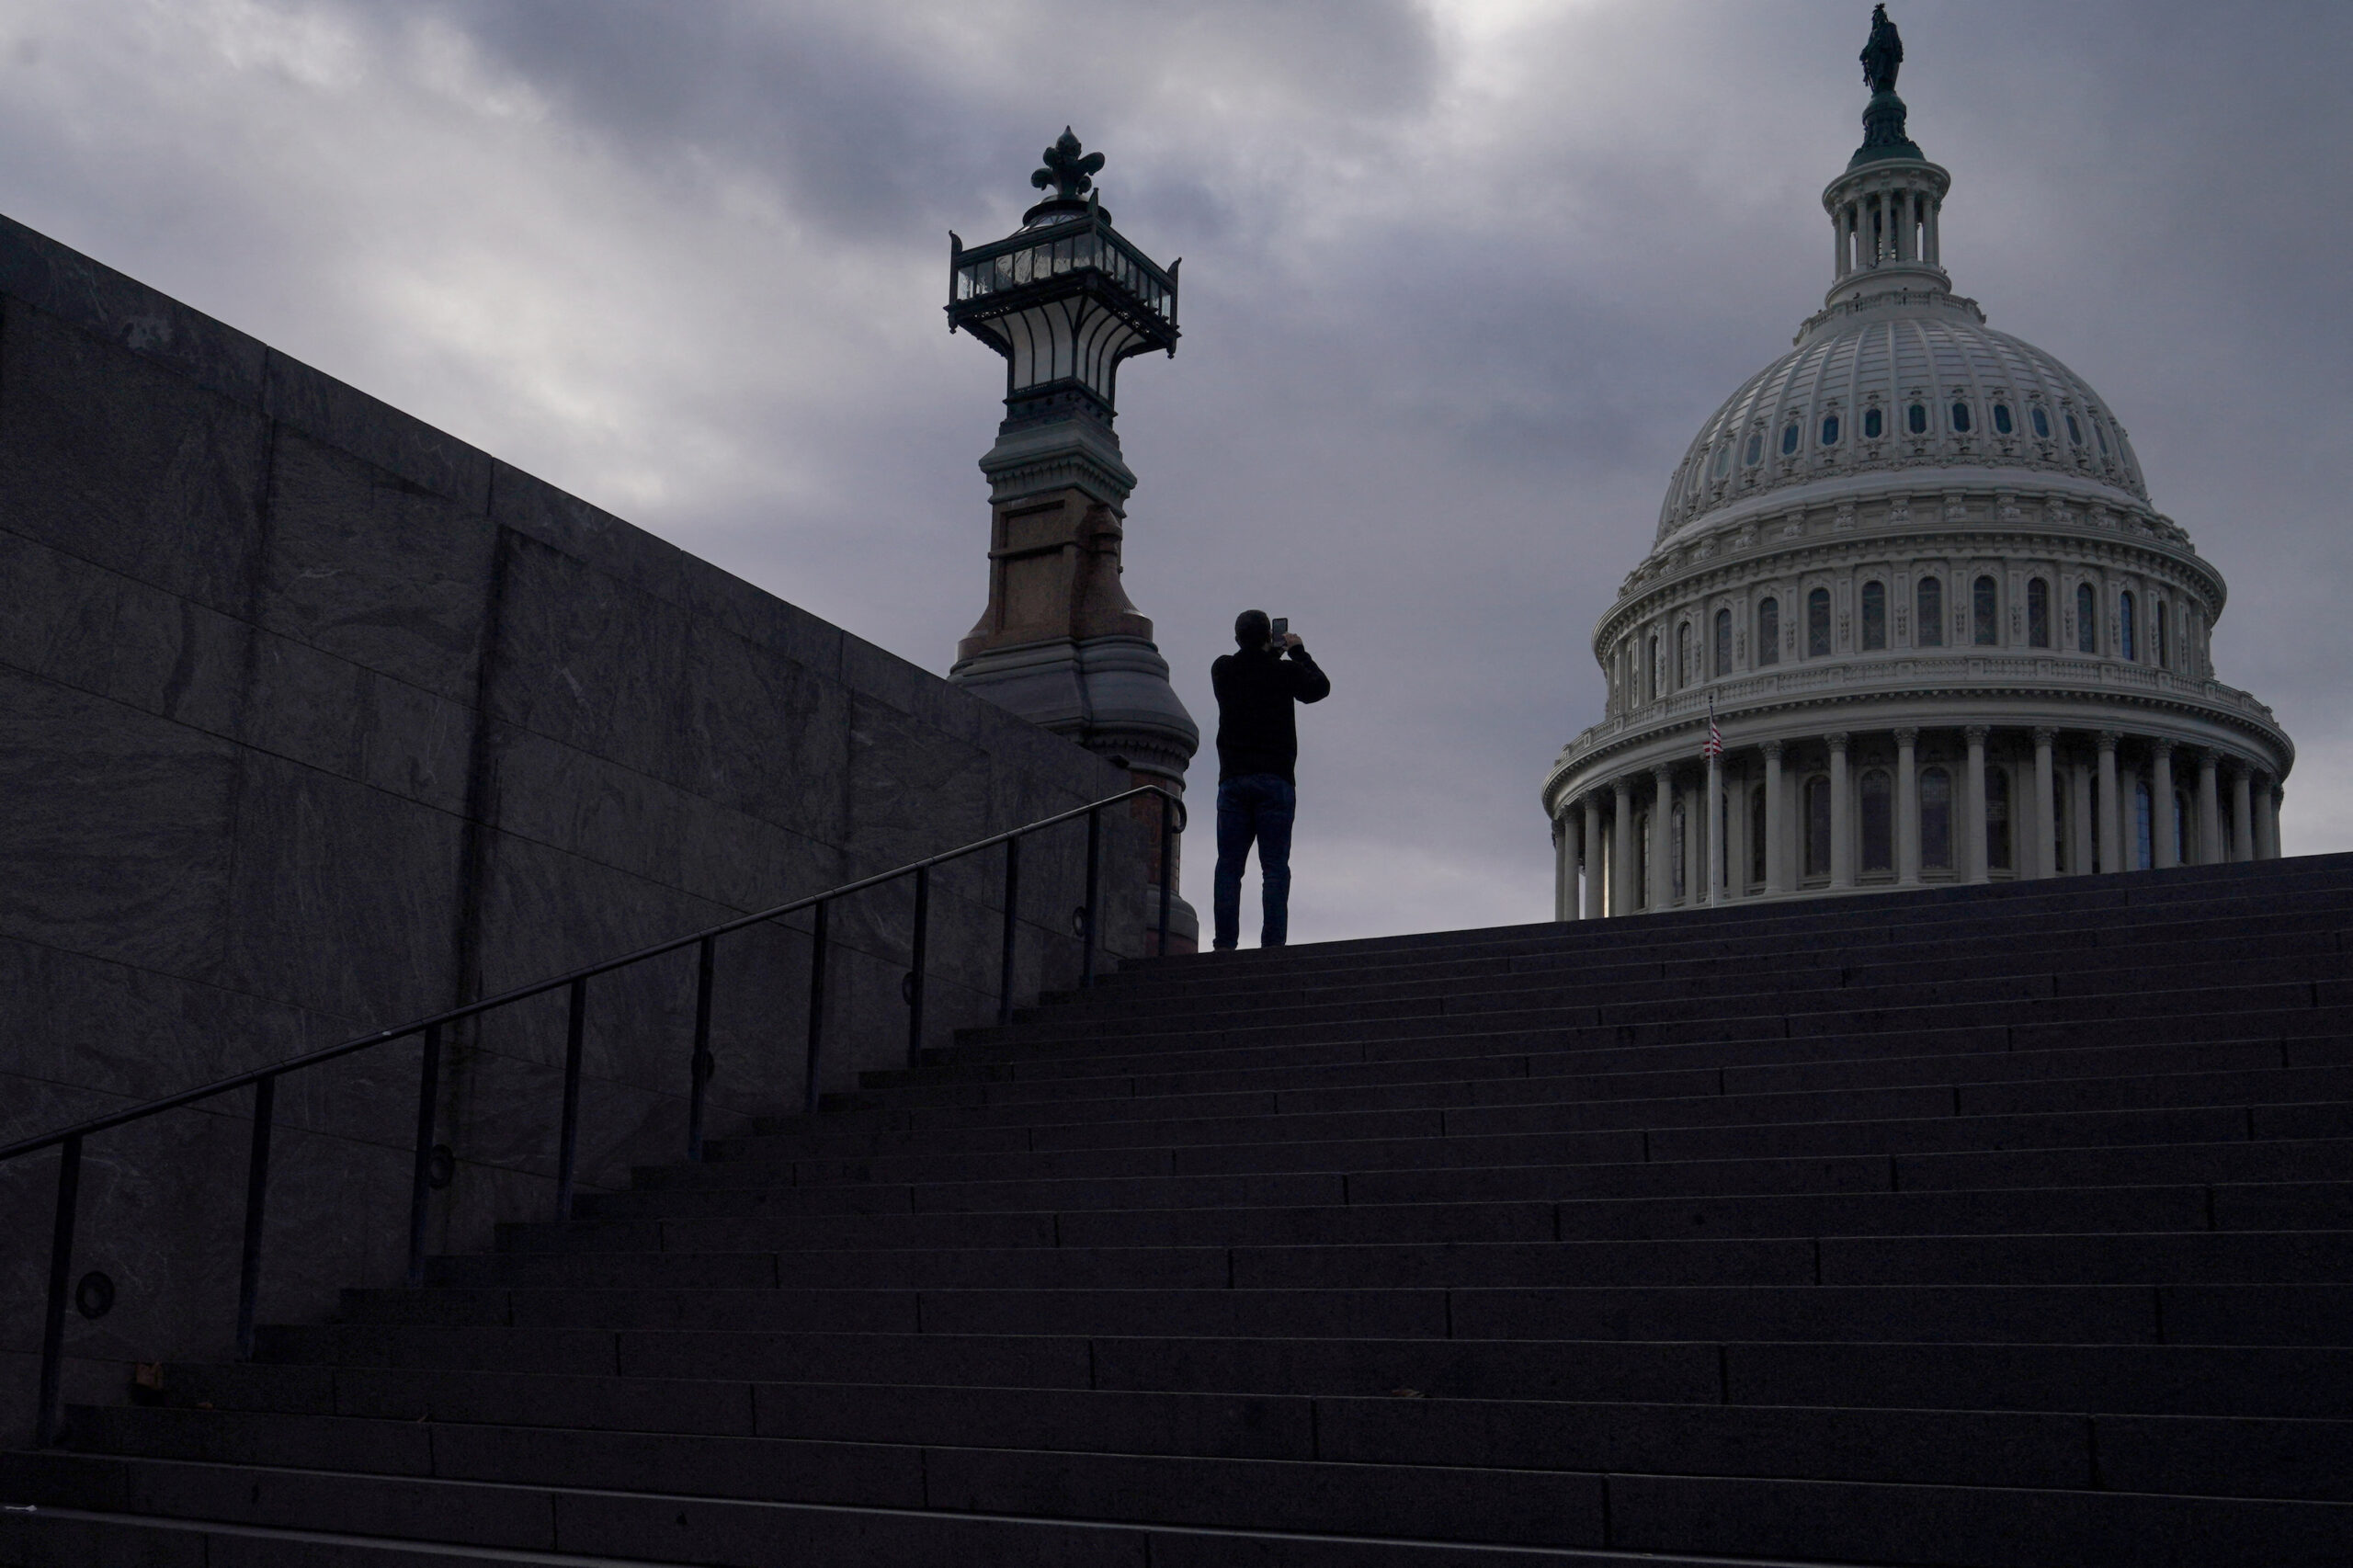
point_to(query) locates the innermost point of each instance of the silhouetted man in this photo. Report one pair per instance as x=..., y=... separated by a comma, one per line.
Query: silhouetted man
x=1257, y=744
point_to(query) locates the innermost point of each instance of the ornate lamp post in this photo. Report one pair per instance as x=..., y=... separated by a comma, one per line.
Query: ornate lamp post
x=1065, y=299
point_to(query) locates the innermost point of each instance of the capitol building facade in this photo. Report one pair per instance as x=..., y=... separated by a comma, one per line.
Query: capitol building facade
x=1912, y=569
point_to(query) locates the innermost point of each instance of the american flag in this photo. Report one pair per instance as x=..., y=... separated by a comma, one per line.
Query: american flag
x=1715, y=747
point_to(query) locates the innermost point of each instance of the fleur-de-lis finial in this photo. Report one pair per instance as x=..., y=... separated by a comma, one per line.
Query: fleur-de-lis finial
x=1065, y=170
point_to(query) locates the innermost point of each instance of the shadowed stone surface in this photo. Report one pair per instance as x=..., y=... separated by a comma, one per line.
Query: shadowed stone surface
x=313, y=717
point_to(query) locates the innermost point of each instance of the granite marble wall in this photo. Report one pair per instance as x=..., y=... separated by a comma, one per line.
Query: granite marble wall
x=313, y=717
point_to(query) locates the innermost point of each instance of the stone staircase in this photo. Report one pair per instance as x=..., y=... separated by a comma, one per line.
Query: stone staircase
x=1985, y=1227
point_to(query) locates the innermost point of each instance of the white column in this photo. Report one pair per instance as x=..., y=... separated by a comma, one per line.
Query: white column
x=2209, y=811
x=2128, y=809
x=1842, y=815
x=1621, y=851
x=2111, y=831
x=1593, y=856
x=2242, y=815
x=2165, y=846
x=2079, y=820
x=2046, y=795
x=1907, y=808
x=1974, y=809
x=1662, y=888
x=1563, y=868
x=1777, y=822
x=1716, y=814
x=1739, y=852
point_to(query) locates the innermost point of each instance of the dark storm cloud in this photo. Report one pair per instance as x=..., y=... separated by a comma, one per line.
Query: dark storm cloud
x=1461, y=279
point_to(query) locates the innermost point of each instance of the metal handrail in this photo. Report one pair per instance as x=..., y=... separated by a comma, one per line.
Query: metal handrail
x=264, y=1080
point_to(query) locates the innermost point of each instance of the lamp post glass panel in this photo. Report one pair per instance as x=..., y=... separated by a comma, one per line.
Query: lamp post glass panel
x=1065, y=298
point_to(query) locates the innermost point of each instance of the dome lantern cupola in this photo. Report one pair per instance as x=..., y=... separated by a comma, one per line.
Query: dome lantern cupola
x=1883, y=209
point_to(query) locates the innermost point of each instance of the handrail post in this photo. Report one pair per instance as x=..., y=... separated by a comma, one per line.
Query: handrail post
x=817, y=1008
x=1168, y=871
x=567, y=1153
x=61, y=1268
x=1094, y=860
x=916, y=963
x=256, y=1194
x=1012, y=903
x=704, y=1063
x=428, y=1087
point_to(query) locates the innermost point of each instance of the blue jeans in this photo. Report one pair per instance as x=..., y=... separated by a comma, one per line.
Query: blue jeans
x=1256, y=806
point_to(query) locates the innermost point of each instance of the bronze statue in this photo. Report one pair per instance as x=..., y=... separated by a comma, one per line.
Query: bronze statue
x=1882, y=55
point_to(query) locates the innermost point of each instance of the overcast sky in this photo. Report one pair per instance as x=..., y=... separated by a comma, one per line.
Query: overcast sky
x=1461, y=279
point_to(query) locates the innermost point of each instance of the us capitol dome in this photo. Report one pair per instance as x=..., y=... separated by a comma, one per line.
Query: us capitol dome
x=1913, y=569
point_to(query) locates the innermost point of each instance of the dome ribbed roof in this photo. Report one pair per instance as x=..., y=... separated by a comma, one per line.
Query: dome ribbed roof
x=1932, y=351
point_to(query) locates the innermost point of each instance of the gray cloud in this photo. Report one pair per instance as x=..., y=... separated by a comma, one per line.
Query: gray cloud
x=1461, y=280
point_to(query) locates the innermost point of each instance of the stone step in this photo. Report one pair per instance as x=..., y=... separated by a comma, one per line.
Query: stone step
x=1642, y=1071
x=2234, y=1457
x=1549, y=1106
x=2268, y=1380
x=1435, y=1085
x=2307, y=926
x=2029, y=973
x=2310, y=1314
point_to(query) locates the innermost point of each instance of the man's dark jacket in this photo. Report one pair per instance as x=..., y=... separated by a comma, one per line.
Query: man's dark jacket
x=1256, y=686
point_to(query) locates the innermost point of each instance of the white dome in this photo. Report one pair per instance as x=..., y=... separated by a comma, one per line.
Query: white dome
x=1925, y=359
x=1909, y=617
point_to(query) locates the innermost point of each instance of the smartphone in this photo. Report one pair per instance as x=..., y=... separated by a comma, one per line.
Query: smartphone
x=1282, y=629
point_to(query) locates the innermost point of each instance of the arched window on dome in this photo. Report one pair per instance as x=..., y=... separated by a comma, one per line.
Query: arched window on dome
x=1723, y=460
x=1874, y=424
x=1817, y=826
x=1653, y=671
x=1817, y=624
x=2003, y=424
x=2038, y=613
x=1723, y=642
x=1768, y=631
x=1829, y=429
x=1997, y=818
x=1683, y=670
x=1878, y=812
x=2144, y=826
x=1756, y=836
x=1915, y=419
x=2087, y=619
x=1960, y=419
x=1756, y=449
x=2100, y=429
x=2075, y=431
x=1929, y=612
x=1985, y=612
x=2125, y=646
x=2157, y=619
x=1789, y=439
x=1874, y=616
x=1936, y=820
x=2041, y=423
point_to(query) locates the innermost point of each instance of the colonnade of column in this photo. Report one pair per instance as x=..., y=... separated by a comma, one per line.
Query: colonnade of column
x=2071, y=808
